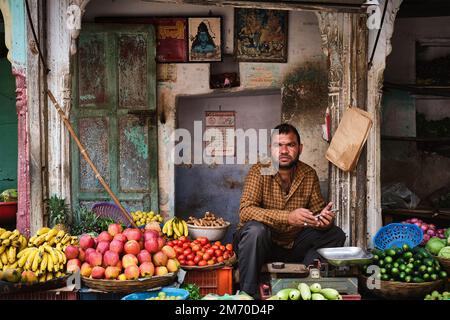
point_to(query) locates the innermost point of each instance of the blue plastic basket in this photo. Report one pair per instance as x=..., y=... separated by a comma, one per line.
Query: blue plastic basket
x=170, y=291
x=398, y=234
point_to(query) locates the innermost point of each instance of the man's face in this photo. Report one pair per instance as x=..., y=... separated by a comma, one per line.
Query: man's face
x=285, y=150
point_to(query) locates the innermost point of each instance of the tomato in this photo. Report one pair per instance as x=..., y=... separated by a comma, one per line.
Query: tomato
x=226, y=255
x=190, y=257
x=170, y=243
x=176, y=242
x=203, y=240
x=229, y=247
x=195, y=247
x=182, y=262
x=218, y=253
x=220, y=259
x=210, y=252
x=202, y=263
x=222, y=247
x=210, y=262
x=197, y=259
x=214, y=247
x=183, y=239
x=207, y=246
x=178, y=250
x=206, y=256
x=181, y=257
x=217, y=243
x=199, y=253
x=214, y=259
x=187, y=251
x=185, y=245
x=191, y=263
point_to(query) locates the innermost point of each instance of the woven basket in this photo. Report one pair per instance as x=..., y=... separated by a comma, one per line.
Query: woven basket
x=445, y=263
x=9, y=287
x=402, y=290
x=129, y=286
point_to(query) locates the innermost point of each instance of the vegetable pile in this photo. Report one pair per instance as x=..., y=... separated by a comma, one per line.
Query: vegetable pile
x=429, y=230
x=305, y=292
x=435, y=295
x=406, y=265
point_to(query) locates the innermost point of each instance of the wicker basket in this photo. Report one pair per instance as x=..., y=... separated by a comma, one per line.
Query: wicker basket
x=9, y=287
x=402, y=290
x=445, y=263
x=129, y=286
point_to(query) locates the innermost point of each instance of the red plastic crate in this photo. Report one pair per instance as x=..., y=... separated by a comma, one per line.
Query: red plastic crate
x=41, y=295
x=219, y=281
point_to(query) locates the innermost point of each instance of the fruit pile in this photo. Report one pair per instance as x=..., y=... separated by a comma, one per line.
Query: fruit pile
x=127, y=255
x=200, y=252
x=406, y=265
x=305, y=292
x=11, y=242
x=175, y=228
x=141, y=218
x=163, y=296
x=435, y=295
x=41, y=258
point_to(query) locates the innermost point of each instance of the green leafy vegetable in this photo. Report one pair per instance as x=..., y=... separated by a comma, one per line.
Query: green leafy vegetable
x=193, y=289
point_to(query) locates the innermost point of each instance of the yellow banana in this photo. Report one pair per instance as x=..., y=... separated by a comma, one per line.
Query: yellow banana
x=49, y=276
x=39, y=240
x=15, y=234
x=6, y=242
x=37, y=260
x=1, y=267
x=164, y=229
x=4, y=258
x=61, y=256
x=59, y=245
x=42, y=231
x=2, y=249
x=52, y=253
x=13, y=266
x=170, y=227
x=66, y=238
x=12, y=254
x=51, y=242
x=59, y=274
x=185, y=228
x=49, y=235
x=5, y=235
x=49, y=263
x=181, y=227
x=16, y=243
x=2, y=231
x=175, y=228
x=30, y=259
x=23, y=257
x=44, y=262
x=24, y=252
x=32, y=240
x=61, y=235
x=42, y=278
x=23, y=242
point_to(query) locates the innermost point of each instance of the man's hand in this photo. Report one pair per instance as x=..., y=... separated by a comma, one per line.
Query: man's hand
x=326, y=217
x=303, y=218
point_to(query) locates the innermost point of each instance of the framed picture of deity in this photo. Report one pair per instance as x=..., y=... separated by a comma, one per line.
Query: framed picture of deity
x=205, y=39
x=260, y=35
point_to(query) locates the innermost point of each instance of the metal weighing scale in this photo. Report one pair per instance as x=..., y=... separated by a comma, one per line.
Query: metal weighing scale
x=339, y=272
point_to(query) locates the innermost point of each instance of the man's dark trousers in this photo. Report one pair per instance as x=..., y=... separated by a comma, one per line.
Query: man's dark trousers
x=254, y=246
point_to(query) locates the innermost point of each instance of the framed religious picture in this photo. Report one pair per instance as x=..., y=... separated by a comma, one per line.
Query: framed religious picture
x=260, y=35
x=171, y=35
x=205, y=39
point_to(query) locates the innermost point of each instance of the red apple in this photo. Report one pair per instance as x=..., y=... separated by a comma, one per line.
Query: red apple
x=102, y=247
x=87, y=253
x=82, y=255
x=169, y=251
x=95, y=259
x=132, y=272
x=144, y=256
x=71, y=252
x=114, y=229
x=151, y=245
x=112, y=273
x=161, y=243
x=134, y=234
x=121, y=237
x=86, y=241
x=116, y=246
x=129, y=260
x=160, y=259
x=86, y=270
x=160, y=271
x=111, y=258
x=147, y=269
x=73, y=265
x=98, y=273
x=150, y=234
x=104, y=236
x=132, y=246
x=154, y=225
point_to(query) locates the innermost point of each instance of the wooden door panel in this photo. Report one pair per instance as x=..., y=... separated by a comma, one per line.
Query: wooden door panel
x=92, y=70
x=133, y=64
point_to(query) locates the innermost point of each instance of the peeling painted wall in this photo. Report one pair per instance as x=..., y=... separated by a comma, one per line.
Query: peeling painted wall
x=402, y=161
x=304, y=45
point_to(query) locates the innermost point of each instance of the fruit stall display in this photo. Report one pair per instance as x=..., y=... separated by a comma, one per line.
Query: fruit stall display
x=37, y=260
x=201, y=252
x=119, y=254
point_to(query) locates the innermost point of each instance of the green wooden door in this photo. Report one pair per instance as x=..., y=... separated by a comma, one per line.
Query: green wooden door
x=113, y=114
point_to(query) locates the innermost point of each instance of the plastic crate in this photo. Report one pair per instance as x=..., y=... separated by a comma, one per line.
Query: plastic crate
x=41, y=295
x=219, y=281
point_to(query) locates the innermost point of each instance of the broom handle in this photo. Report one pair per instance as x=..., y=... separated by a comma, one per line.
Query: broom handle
x=88, y=159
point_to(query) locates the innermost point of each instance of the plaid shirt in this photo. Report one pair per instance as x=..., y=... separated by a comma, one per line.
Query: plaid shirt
x=263, y=200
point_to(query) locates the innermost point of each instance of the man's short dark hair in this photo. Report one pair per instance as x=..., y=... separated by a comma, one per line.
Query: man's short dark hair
x=286, y=128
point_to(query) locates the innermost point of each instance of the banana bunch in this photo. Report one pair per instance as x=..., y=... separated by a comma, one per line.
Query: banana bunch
x=11, y=242
x=52, y=237
x=175, y=228
x=46, y=262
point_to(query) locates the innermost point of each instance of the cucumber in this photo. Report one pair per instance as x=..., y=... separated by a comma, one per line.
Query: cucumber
x=330, y=294
x=304, y=291
x=294, y=294
x=284, y=294
x=317, y=296
x=315, y=288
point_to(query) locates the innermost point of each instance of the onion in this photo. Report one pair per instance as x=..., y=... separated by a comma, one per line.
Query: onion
x=418, y=224
x=424, y=227
x=431, y=232
x=414, y=220
x=426, y=237
x=432, y=226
